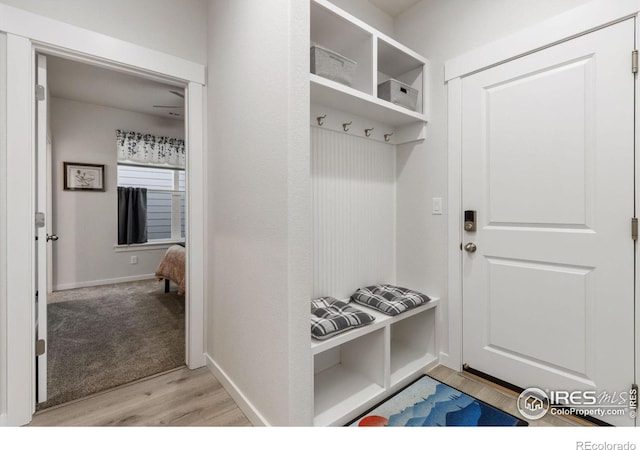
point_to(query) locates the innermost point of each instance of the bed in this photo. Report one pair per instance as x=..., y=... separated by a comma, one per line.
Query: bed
x=172, y=268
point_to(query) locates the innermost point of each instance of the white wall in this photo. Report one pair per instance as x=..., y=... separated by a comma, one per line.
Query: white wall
x=259, y=203
x=176, y=27
x=353, y=211
x=3, y=226
x=441, y=30
x=86, y=222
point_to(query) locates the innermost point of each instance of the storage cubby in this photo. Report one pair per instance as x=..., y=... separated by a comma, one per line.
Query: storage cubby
x=348, y=374
x=378, y=58
x=335, y=33
x=356, y=369
x=401, y=65
x=412, y=344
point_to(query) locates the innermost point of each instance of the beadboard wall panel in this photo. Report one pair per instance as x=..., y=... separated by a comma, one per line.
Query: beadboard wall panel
x=354, y=212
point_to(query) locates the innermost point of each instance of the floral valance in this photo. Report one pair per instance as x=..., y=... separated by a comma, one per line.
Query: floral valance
x=134, y=147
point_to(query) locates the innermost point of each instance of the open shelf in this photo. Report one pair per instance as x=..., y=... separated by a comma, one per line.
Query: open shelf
x=349, y=374
x=335, y=95
x=378, y=58
x=412, y=345
x=357, y=368
x=404, y=66
x=334, y=32
x=396, y=60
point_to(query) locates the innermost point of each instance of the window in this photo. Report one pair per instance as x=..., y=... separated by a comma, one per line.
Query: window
x=165, y=198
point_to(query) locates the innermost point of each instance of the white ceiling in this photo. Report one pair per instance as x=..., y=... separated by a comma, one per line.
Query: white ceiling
x=82, y=82
x=394, y=7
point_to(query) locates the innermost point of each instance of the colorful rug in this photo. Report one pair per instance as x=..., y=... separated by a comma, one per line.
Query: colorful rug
x=429, y=403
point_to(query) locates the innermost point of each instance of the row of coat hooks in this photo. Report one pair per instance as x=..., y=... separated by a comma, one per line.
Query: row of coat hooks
x=347, y=126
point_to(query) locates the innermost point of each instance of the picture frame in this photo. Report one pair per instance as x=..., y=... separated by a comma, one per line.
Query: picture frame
x=83, y=177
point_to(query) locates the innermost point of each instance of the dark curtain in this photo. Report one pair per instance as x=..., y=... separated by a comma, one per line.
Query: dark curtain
x=132, y=215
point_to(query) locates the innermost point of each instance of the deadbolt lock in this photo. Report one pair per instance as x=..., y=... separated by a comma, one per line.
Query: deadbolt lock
x=470, y=220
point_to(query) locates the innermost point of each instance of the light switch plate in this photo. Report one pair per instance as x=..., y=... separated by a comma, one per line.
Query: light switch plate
x=436, y=208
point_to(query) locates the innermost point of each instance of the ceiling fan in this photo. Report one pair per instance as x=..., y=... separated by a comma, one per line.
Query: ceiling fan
x=171, y=113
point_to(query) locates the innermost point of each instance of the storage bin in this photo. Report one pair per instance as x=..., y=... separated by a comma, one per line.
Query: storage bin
x=398, y=93
x=331, y=65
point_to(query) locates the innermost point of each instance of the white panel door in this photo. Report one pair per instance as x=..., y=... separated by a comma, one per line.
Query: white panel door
x=548, y=164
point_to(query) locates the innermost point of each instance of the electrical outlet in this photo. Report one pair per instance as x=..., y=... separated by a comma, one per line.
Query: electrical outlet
x=134, y=260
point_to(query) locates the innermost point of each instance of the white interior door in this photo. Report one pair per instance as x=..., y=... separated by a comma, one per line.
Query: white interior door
x=42, y=206
x=548, y=164
x=49, y=211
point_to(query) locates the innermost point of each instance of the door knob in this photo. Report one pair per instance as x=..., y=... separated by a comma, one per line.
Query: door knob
x=470, y=247
x=52, y=237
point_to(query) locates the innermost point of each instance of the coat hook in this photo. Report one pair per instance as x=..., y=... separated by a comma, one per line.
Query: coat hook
x=387, y=137
x=320, y=119
x=345, y=126
x=367, y=131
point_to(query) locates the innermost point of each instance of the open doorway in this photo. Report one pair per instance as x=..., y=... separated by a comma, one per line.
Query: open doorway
x=109, y=319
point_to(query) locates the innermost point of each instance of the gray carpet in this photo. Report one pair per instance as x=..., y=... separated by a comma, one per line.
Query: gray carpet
x=103, y=337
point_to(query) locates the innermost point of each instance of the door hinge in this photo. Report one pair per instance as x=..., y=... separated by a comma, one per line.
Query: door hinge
x=634, y=61
x=41, y=346
x=40, y=92
x=39, y=219
x=634, y=228
x=633, y=397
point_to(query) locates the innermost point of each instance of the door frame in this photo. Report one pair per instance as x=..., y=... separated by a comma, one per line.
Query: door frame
x=26, y=35
x=587, y=18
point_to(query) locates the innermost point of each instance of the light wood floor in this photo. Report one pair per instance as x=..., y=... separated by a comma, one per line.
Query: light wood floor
x=181, y=397
x=186, y=397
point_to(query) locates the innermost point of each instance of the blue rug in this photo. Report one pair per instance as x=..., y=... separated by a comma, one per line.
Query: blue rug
x=429, y=403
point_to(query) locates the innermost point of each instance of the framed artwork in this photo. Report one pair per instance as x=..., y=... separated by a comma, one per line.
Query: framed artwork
x=83, y=177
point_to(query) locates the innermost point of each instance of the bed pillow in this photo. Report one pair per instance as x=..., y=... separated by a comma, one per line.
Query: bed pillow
x=330, y=316
x=388, y=299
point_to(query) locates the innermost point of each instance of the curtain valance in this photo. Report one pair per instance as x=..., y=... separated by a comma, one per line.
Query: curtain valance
x=134, y=147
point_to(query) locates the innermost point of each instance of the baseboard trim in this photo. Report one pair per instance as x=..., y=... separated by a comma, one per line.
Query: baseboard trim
x=241, y=400
x=3, y=420
x=200, y=361
x=452, y=363
x=82, y=284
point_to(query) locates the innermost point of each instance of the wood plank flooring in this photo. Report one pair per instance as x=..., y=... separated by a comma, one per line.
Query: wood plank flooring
x=184, y=397
x=181, y=397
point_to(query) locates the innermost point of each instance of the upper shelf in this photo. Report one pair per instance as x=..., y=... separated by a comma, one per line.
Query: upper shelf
x=329, y=93
x=378, y=57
